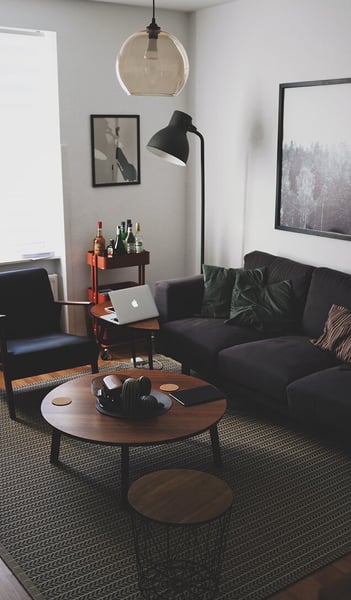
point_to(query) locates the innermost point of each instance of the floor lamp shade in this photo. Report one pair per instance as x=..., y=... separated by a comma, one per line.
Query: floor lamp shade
x=171, y=143
x=152, y=64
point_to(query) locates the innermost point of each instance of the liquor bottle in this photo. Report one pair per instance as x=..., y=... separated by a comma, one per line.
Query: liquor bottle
x=119, y=247
x=130, y=241
x=110, y=249
x=99, y=241
x=139, y=241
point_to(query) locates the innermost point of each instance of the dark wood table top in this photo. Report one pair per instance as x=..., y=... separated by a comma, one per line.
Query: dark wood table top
x=81, y=419
x=99, y=310
x=180, y=496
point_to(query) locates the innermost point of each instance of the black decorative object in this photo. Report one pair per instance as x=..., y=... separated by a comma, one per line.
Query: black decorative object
x=130, y=399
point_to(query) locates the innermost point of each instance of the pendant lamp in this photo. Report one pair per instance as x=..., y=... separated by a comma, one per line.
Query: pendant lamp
x=152, y=62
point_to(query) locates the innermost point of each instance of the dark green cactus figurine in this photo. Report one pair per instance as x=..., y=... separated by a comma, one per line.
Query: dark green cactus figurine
x=135, y=397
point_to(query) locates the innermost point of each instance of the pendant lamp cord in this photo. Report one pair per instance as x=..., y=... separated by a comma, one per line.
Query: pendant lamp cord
x=153, y=29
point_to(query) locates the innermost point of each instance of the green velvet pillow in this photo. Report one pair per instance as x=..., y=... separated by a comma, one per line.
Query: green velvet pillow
x=218, y=286
x=269, y=308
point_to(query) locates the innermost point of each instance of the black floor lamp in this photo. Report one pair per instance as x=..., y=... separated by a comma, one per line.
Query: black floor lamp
x=171, y=143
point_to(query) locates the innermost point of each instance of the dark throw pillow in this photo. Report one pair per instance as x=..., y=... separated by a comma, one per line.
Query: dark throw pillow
x=336, y=336
x=218, y=288
x=269, y=308
x=218, y=285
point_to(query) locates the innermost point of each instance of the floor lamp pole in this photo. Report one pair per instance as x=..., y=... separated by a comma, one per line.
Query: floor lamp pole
x=202, y=251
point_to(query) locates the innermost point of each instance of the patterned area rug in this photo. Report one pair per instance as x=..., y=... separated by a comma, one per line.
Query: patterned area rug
x=159, y=362
x=66, y=536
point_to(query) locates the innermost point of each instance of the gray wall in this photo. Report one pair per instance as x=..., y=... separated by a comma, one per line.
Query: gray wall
x=255, y=45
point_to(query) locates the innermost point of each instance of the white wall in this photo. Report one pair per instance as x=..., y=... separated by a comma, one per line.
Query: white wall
x=89, y=36
x=243, y=50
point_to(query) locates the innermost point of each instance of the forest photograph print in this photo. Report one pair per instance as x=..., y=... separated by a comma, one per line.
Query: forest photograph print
x=314, y=158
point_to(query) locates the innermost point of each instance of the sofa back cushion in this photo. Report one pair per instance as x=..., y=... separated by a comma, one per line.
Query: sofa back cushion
x=328, y=287
x=280, y=269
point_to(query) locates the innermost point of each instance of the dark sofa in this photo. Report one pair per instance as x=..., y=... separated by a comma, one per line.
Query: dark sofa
x=285, y=372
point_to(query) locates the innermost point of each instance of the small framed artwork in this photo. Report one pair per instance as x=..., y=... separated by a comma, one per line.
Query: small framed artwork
x=115, y=149
x=313, y=193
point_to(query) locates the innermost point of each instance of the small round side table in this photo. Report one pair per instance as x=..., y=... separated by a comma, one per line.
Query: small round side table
x=180, y=518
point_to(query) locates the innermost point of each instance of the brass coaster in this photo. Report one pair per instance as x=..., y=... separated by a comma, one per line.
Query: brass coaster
x=169, y=387
x=62, y=401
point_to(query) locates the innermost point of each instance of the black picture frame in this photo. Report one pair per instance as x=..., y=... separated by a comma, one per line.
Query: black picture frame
x=115, y=149
x=313, y=190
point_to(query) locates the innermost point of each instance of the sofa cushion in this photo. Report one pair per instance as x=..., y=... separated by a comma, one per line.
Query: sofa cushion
x=279, y=269
x=268, y=366
x=323, y=397
x=267, y=308
x=195, y=342
x=336, y=336
x=327, y=287
x=218, y=285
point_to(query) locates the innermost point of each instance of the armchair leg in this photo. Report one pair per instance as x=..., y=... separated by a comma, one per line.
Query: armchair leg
x=10, y=397
x=94, y=366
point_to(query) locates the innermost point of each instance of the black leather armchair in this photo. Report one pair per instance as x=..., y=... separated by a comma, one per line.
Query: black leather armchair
x=32, y=340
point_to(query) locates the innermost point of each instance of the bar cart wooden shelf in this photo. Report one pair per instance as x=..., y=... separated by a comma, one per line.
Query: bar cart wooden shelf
x=98, y=293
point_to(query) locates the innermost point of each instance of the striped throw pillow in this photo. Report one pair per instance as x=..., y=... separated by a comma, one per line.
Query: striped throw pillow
x=336, y=336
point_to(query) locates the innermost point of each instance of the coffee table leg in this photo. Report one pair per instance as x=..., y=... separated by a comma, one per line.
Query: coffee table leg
x=215, y=445
x=124, y=472
x=55, y=446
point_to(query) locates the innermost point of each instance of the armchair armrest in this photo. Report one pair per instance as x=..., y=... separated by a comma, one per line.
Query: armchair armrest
x=179, y=298
x=87, y=305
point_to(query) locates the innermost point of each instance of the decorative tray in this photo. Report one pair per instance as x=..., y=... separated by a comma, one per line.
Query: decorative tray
x=112, y=409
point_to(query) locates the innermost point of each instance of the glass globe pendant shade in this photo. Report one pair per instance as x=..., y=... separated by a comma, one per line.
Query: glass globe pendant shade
x=152, y=64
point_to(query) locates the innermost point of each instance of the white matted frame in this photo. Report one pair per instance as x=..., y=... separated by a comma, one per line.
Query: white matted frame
x=314, y=158
x=115, y=149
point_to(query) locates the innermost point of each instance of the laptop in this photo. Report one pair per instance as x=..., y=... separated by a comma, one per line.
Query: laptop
x=131, y=304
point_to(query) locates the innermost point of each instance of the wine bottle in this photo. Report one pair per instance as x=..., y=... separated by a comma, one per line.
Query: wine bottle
x=139, y=241
x=123, y=230
x=99, y=241
x=119, y=248
x=130, y=241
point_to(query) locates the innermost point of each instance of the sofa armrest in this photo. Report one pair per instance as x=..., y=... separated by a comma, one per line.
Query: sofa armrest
x=179, y=298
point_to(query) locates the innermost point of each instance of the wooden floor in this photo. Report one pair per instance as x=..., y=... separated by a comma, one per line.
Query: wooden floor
x=306, y=589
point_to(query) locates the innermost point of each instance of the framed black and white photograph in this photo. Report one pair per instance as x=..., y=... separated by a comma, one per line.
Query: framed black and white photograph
x=314, y=158
x=115, y=149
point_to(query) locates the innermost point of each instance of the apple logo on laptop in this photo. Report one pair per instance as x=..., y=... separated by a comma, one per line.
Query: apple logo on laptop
x=135, y=303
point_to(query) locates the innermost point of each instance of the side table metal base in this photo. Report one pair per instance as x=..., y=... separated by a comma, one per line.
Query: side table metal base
x=179, y=563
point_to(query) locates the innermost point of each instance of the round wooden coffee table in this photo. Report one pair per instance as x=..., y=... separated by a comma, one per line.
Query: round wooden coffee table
x=71, y=410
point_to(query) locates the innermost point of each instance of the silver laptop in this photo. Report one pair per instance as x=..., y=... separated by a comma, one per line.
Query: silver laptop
x=132, y=304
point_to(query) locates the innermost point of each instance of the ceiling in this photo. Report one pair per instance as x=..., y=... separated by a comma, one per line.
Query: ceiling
x=182, y=5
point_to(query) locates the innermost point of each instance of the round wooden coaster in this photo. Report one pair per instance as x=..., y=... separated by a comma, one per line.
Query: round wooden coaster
x=169, y=387
x=62, y=401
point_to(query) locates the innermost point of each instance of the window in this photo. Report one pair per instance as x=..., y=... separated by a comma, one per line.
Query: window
x=31, y=206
